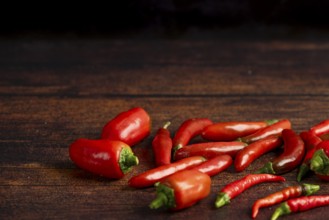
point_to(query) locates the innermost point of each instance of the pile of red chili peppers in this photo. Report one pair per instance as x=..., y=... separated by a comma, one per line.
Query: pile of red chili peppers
x=183, y=170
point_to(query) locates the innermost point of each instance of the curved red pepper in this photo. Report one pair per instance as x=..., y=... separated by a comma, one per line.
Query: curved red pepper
x=150, y=177
x=321, y=128
x=107, y=158
x=181, y=190
x=215, y=165
x=131, y=126
x=300, y=204
x=320, y=160
x=292, y=156
x=209, y=149
x=254, y=150
x=235, y=188
x=273, y=129
x=189, y=129
x=162, y=146
x=230, y=131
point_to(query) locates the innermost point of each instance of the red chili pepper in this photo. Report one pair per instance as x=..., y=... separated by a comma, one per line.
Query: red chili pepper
x=230, y=131
x=181, y=190
x=150, y=177
x=209, y=149
x=215, y=165
x=283, y=195
x=300, y=204
x=235, y=188
x=320, y=160
x=292, y=156
x=321, y=128
x=162, y=146
x=112, y=159
x=130, y=127
x=273, y=129
x=310, y=141
x=254, y=150
x=189, y=129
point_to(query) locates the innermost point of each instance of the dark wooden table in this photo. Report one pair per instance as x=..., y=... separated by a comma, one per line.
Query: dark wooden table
x=55, y=90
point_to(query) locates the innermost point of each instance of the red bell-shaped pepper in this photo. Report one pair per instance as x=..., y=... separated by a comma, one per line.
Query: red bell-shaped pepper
x=162, y=146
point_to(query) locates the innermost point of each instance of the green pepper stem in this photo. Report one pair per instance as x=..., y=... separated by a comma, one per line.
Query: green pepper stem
x=309, y=189
x=166, y=125
x=303, y=169
x=318, y=161
x=127, y=160
x=222, y=199
x=283, y=209
x=160, y=200
x=267, y=168
x=271, y=121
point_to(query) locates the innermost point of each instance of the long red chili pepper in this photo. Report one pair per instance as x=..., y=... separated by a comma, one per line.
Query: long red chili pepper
x=300, y=204
x=131, y=126
x=283, y=195
x=209, y=149
x=162, y=146
x=215, y=165
x=292, y=156
x=189, y=129
x=273, y=129
x=254, y=150
x=321, y=128
x=112, y=159
x=181, y=190
x=310, y=141
x=230, y=131
x=235, y=188
x=320, y=161
x=150, y=177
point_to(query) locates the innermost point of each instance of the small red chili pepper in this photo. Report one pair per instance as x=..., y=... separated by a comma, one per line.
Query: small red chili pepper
x=292, y=156
x=189, y=129
x=150, y=177
x=230, y=131
x=310, y=141
x=300, y=204
x=162, y=146
x=235, y=188
x=321, y=128
x=130, y=127
x=254, y=150
x=273, y=129
x=209, y=149
x=320, y=160
x=112, y=159
x=181, y=190
x=215, y=165
x=283, y=195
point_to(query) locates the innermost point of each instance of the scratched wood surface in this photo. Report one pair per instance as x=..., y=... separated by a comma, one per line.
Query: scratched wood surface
x=55, y=90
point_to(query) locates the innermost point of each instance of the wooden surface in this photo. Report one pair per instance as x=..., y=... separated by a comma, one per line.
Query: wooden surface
x=56, y=90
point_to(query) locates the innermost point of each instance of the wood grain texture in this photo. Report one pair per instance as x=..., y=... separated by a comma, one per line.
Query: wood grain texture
x=54, y=91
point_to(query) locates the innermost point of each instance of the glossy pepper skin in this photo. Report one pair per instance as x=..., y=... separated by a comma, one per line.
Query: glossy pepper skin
x=254, y=150
x=189, y=129
x=292, y=156
x=162, y=146
x=131, y=126
x=320, y=161
x=310, y=141
x=215, y=165
x=230, y=131
x=150, y=177
x=181, y=190
x=235, y=188
x=321, y=128
x=111, y=159
x=283, y=195
x=300, y=204
x=273, y=129
x=209, y=149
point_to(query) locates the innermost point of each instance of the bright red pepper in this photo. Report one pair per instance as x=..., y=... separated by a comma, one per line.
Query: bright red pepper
x=230, y=131
x=181, y=190
x=189, y=129
x=320, y=161
x=162, y=146
x=254, y=150
x=273, y=129
x=321, y=128
x=150, y=177
x=131, y=126
x=112, y=159
x=215, y=165
x=310, y=141
x=235, y=188
x=209, y=149
x=300, y=204
x=292, y=156
x=283, y=195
